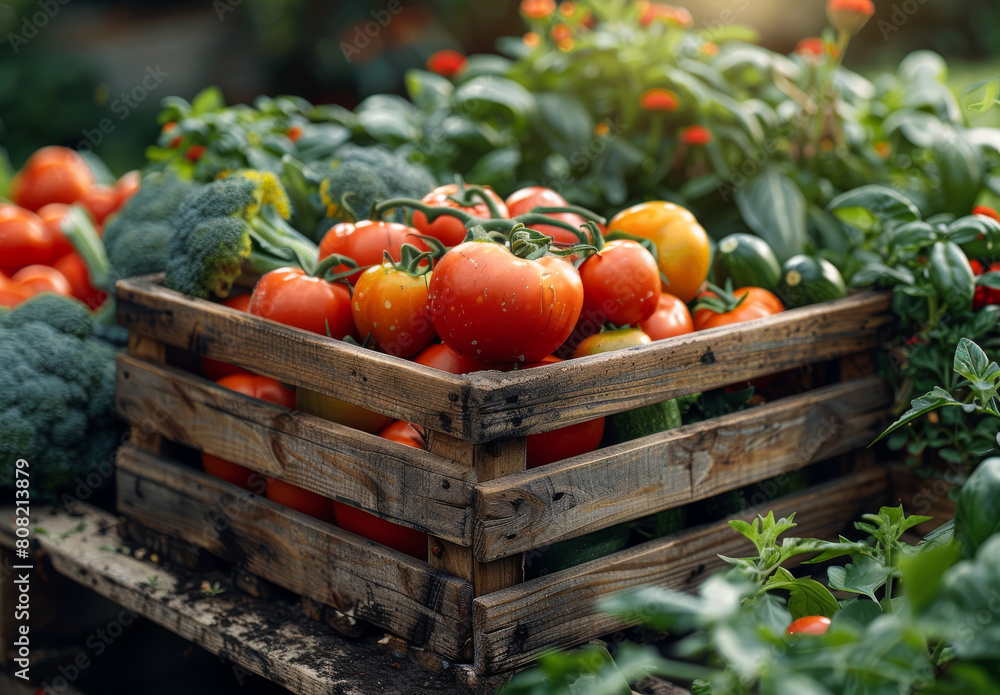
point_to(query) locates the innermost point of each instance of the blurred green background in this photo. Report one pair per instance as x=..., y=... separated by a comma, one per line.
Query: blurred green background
x=90, y=74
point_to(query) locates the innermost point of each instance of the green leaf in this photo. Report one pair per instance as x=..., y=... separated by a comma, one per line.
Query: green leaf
x=923, y=570
x=934, y=399
x=806, y=596
x=970, y=360
x=484, y=95
x=428, y=90
x=864, y=576
x=208, y=100
x=496, y=168
x=774, y=207
x=873, y=206
x=565, y=118
x=977, y=513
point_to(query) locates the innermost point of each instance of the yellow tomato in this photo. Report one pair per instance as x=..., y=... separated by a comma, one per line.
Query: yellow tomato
x=682, y=247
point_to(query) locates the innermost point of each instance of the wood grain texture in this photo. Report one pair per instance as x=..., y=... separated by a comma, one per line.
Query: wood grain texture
x=400, y=483
x=536, y=400
x=152, y=351
x=491, y=405
x=514, y=625
x=924, y=496
x=308, y=557
x=396, y=387
x=271, y=640
x=493, y=461
x=627, y=481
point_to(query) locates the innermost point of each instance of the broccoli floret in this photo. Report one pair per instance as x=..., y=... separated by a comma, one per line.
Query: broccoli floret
x=138, y=237
x=57, y=390
x=360, y=177
x=225, y=224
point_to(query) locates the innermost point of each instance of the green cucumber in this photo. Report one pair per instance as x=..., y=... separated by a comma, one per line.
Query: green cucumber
x=748, y=261
x=574, y=551
x=645, y=421
x=808, y=280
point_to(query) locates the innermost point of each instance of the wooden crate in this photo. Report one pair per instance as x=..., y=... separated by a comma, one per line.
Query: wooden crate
x=470, y=491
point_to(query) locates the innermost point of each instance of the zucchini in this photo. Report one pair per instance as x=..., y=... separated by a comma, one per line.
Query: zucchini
x=645, y=421
x=808, y=280
x=574, y=551
x=748, y=261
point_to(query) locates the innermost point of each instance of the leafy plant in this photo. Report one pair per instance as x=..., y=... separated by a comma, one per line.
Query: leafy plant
x=916, y=624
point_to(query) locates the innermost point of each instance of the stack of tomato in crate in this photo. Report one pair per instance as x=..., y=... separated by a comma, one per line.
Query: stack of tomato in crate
x=476, y=495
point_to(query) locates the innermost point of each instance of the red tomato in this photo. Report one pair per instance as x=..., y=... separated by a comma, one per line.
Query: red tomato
x=24, y=239
x=127, y=186
x=448, y=230
x=364, y=242
x=442, y=357
x=100, y=201
x=302, y=501
x=391, y=306
x=809, y=625
x=521, y=201
x=488, y=304
x=294, y=133
x=556, y=445
x=670, y=319
x=403, y=432
x=254, y=386
x=609, y=341
x=52, y=215
x=194, y=153
x=75, y=270
x=53, y=175
x=758, y=304
x=10, y=297
x=289, y=296
x=42, y=278
x=401, y=538
x=620, y=283
x=213, y=369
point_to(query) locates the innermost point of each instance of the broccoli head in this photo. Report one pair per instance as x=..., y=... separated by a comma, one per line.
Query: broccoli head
x=137, y=239
x=360, y=177
x=223, y=225
x=57, y=394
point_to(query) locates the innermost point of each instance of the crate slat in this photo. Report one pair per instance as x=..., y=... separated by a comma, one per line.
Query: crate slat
x=623, y=482
x=514, y=625
x=311, y=558
x=491, y=405
x=536, y=400
x=401, y=483
x=398, y=388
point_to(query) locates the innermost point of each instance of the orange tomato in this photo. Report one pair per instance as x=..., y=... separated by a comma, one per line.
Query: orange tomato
x=42, y=278
x=75, y=270
x=53, y=175
x=758, y=304
x=101, y=202
x=127, y=186
x=303, y=501
x=682, y=247
x=24, y=239
x=670, y=319
x=52, y=215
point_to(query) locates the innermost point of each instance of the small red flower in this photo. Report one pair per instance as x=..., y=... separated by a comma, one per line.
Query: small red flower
x=652, y=11
x=987, y=211
x=811, y=46
x=658, y=99
x=537, y=9
x=447, y=63
x=848, y=16
x=195, y=152
x=560, y=32
x=696, y=135
x=294, y=133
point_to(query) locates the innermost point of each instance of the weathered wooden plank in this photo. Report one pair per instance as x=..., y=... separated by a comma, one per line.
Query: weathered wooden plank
x=493, y=461
x=396, y=387
x=308, y=557
x=513, y=626
x=152, y=351
x=401, y=483
x=508, y=404
x=274, y=641
x=637, y=478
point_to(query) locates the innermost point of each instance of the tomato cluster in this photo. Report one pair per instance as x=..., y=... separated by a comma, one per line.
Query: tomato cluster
x=480, y=283
x=35, y=255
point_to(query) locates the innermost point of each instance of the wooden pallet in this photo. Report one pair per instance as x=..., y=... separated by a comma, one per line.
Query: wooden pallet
x=470, y=491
